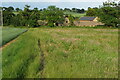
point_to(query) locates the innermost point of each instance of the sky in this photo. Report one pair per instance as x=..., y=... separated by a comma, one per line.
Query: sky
x=58, y=3
x=53, y=0
x=62, y=5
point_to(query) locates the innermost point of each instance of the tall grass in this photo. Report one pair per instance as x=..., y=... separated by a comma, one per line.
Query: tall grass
x=68, y=53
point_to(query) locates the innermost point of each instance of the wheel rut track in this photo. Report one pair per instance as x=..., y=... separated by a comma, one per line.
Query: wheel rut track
x=42, y=59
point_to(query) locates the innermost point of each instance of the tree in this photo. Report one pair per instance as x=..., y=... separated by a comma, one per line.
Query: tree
x=18, y=9
x=44, y=9
x=53, y=15
x=35, y=9
x=78, y=11
x=91, y=12
x=34, y=17
x=74, y=9
x=29, y=17
x=10, y=8
x=26, y=17
x=109, y=14
x=16, y=20
x=26, y=8
x=71, y=18
x=67, y=9
x=4, y=8
x=82, y=11
x=7, y=17
x=1, y=16
x=109, y=4
x=40, y=9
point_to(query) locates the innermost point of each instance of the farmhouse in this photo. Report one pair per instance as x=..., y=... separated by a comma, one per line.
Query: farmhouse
x=88, y=21
x=67, y=21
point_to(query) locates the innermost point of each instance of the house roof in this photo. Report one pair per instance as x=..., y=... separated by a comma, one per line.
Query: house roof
x=87, y=18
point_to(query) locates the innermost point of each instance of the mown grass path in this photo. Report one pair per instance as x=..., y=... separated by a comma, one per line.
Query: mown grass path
x=9, y=34
x=62, y=53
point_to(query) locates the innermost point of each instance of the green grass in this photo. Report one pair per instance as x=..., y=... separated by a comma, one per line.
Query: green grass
x=0, y=53
x=10, y=33
x=62, y=53
x=75, y=14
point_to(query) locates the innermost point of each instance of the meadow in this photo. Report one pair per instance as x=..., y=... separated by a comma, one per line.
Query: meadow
x=62, y=53
x=9, y=34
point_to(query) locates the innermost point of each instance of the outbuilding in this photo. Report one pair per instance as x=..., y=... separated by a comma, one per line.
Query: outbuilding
x=88, y=21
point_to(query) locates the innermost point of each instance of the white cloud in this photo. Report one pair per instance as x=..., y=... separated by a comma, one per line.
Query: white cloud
x=53, y=0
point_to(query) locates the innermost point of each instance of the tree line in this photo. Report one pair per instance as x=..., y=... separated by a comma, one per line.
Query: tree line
x=108, y=13
x=29, y=17
x=75, y=10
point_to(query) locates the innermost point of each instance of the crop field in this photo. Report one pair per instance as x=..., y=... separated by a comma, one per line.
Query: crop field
x=9, y=34
x=75, y=14
x=62, y=53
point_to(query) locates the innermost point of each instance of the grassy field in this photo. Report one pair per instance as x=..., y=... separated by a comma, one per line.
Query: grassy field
x=10, y=33
x=62, y=53
x=75, y=14
x=0, y=53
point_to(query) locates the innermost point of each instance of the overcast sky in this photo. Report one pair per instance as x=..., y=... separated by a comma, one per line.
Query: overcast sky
x=53, y=0
x=59, y=3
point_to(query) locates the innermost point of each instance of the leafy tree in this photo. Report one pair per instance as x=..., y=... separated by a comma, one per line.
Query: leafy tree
x=91, y=12
x=34, y=17
x=44, y=9
x=53, y=15
x=18, y=9
x=40, y=9
x=1, y=23
x=61, y=9
x=10, y=8
x=71, y=18
x=0, y=8
x=35, y=9
x=4, y=8
x=7, y=17
x=30, y=17
x=82, y=11
x=16, y=21
x=26, y=8
x=67, y=9
x=109, y=4
x=74, y=9
x=109, y=14
x=78, y=11
x=26, y=17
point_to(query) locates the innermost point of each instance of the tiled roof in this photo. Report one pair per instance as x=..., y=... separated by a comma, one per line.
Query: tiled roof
x=87, y=18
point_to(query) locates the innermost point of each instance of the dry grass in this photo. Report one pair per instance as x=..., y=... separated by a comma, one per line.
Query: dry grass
x=68, y=52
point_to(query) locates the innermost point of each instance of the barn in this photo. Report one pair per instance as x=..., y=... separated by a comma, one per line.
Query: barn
x=88, y=21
